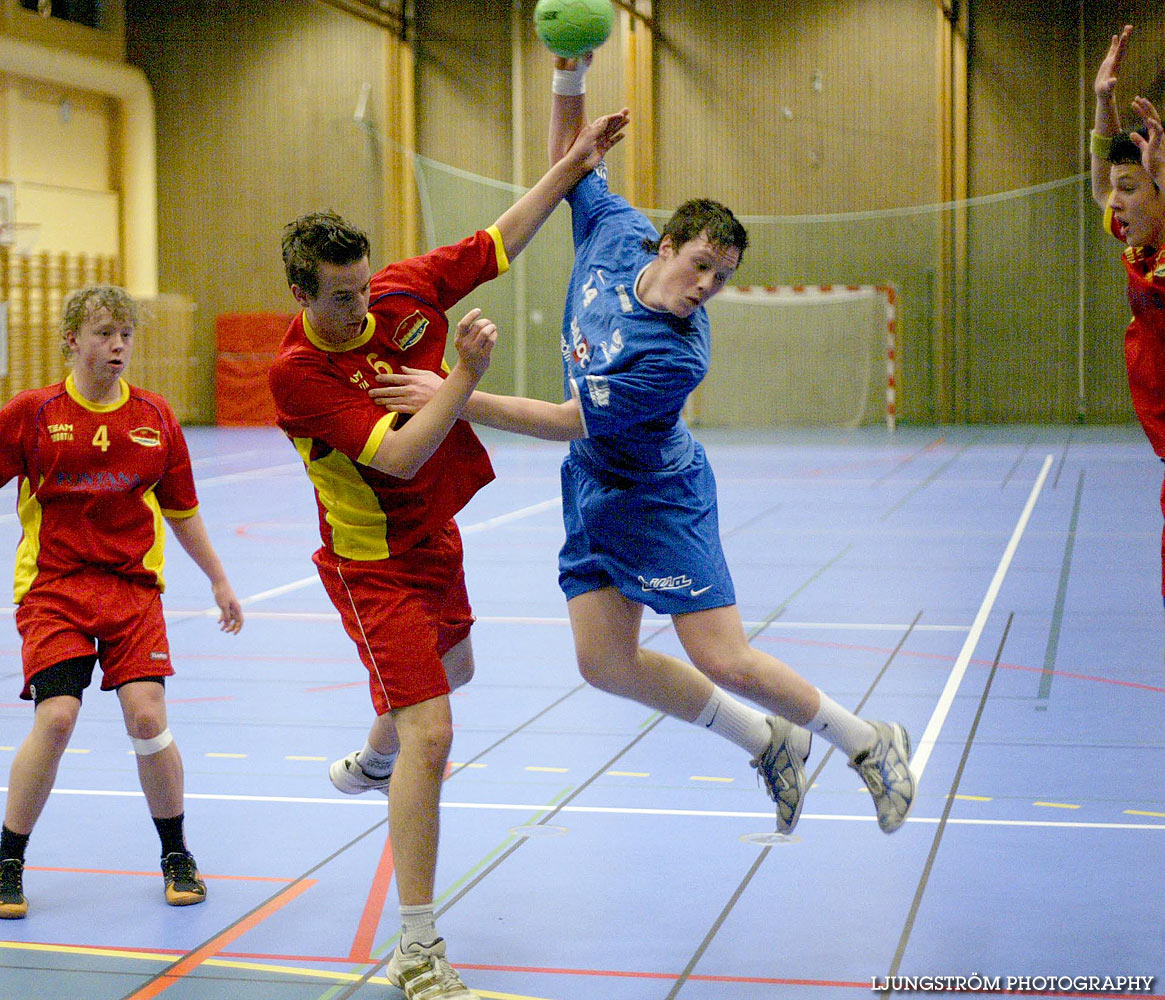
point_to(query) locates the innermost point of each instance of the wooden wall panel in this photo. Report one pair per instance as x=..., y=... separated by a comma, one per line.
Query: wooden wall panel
x=255, y=113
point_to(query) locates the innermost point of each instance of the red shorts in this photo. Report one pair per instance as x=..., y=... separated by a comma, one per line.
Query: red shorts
x=404, y=614
x=89, y=612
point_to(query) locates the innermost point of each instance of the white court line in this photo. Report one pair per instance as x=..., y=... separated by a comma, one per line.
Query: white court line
x=542, y=807
x=926, y=745
x=307, y=581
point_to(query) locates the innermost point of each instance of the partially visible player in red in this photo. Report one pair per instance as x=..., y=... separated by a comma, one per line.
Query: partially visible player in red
x=387, y=488
x=1128, y=182
x=100, y=465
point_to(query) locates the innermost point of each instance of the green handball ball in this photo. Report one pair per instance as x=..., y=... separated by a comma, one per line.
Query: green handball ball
x=569, y=28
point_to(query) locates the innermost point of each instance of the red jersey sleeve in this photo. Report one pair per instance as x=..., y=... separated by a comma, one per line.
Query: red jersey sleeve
x=175, y=491
x=446, y=275
x=17, y=429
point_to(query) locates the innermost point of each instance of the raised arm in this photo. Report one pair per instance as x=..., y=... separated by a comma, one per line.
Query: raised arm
x=1153, y=148
x=403, y=452
x=568, y=104
x=590, y=144
x=1106, y=122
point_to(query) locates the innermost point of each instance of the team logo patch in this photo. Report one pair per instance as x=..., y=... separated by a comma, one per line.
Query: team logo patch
x=410, y=329
x=147, y=437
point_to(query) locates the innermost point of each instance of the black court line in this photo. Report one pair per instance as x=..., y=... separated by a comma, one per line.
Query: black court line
x=919, y=487
x=552, y=812
x=698, y=954
x=1063, y=457
x=903, y=462
x=924, y=878
x=1049, y=671
x=1019, y=461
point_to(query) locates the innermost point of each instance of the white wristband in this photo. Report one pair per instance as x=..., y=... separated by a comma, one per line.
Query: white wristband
x=570, y=82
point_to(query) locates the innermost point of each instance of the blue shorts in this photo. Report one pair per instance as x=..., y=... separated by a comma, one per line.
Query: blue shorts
x=657, y=542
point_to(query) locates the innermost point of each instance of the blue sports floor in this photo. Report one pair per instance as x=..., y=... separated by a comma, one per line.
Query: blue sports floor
x=997, y=590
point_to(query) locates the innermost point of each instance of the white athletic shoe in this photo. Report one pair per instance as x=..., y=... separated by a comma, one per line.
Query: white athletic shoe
x=885, y=769
x=781, y=769
x=421, y=973
x=349, y=777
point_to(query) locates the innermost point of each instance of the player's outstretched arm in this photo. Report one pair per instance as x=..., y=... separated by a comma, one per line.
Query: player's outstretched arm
x=1152, y=148
x=1107, y=122
x=525, y=217
x=568, y=112
x=191, y=534
x=408, y=390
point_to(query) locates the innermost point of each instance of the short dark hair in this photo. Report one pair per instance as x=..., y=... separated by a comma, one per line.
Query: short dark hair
x=702, y=216
x=1123, y=149
x=320, y=237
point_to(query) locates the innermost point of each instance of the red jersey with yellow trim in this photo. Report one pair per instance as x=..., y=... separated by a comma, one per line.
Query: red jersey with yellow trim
x=322, y=404
x=95, y=482
x=1145, y=335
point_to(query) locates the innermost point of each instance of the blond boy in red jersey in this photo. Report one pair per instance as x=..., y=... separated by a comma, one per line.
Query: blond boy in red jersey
x=101, y=464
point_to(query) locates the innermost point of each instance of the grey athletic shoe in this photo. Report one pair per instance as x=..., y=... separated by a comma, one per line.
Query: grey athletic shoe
x=350, y=778
x=885, y=769
x=781, y=769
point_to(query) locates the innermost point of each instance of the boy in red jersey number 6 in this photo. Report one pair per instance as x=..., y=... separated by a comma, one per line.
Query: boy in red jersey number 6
x=387, y=489
x=100, y=463
x=1128, y=180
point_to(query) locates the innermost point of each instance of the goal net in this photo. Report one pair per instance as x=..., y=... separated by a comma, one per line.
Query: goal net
x=821, y=355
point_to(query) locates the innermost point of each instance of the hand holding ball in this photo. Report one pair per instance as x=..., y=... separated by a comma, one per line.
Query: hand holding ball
x=569, y=28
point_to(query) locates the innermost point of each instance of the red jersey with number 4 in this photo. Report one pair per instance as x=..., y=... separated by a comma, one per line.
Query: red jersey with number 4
x=95, y=482
x=322, y=404
x=1145, y=335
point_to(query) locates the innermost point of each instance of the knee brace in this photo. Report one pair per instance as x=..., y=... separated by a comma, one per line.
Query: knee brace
x=147, y=748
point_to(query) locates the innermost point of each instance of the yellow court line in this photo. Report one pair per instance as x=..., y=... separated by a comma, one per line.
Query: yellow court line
x=548, y=770
x=301, y=757
x=229, y=756
x=222, y=963
x=974, y=798
x=1056, y=805
x=704, y=777
x=1142, y=812
x=77, y=750
x=629, y=774
x=474, y=765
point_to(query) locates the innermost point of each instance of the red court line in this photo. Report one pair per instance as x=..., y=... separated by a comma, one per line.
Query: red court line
x=188, y=963
x=154, y=874
x=946, y=657
x=373, y=907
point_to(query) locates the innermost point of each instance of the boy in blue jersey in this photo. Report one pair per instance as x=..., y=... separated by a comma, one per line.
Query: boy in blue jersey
x=639, y=497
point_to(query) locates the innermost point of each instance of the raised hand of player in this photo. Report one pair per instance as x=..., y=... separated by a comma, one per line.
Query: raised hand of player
x=1106, y=76
x=595, y=140
x=230, y=618
x=474, y=340
x=405, y=391
x=1152, y=148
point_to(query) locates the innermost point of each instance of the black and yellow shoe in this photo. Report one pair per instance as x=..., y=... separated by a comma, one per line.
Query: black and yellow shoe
x=183, y=886
x=13, y=905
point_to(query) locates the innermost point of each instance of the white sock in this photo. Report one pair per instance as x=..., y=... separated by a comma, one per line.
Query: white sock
x=841, y=727
x=375, y=764
x=417, y=926
x=736, y=722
